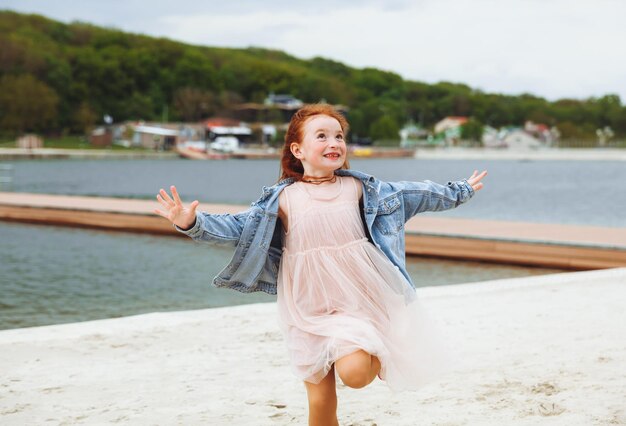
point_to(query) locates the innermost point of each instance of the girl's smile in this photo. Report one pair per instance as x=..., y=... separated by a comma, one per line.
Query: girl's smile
x=323, y=147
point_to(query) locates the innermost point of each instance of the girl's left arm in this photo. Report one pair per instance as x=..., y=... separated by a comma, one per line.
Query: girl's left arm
x=431, y=196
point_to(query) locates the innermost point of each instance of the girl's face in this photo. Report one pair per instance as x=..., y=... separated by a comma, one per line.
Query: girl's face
x=323, y=148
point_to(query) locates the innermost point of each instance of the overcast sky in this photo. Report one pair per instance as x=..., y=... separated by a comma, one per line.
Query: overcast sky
x=551, y=48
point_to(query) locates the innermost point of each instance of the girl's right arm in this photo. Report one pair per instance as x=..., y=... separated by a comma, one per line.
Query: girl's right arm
x=222, y=229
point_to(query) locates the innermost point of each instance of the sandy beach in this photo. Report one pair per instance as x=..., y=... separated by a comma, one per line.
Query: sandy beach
x=546, y=350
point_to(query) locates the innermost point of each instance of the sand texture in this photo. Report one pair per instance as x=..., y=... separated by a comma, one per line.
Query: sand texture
x=546, y=350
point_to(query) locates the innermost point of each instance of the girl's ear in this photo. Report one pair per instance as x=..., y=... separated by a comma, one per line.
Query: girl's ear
x=295, y=150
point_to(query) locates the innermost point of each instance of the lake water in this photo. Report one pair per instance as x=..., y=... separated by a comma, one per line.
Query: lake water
x=53, y=275
x=566, y=192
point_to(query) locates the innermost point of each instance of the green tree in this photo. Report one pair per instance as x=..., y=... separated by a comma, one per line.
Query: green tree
x=84, y=118
x=195, y=70
x=137, y=106
x=130, y=76
x=358, y=125
x=472, y=130
x=609, y=111
x=375, y=82
x=385, y=129
x=570, y=130
x=194, y=104
x=26, y=104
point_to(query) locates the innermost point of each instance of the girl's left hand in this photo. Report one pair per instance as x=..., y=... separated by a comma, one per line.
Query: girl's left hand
x=474, y=180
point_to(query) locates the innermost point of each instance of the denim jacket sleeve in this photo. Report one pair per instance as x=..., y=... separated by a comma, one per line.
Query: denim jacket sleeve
x=219, y=229
x=431, y=196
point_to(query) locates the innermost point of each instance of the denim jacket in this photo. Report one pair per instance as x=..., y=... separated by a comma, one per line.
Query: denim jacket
x=256, y=232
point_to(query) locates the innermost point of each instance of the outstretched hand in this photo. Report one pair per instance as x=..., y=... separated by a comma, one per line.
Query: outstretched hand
x=179, y=215
x=474, y=180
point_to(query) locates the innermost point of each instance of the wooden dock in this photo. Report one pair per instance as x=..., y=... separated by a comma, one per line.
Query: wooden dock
x=535, y=244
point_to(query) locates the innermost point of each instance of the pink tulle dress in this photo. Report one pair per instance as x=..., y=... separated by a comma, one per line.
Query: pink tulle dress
x=338, y=293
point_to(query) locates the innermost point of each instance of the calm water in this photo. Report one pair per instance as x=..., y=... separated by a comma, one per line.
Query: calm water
x=567, y=192
x=54, y=275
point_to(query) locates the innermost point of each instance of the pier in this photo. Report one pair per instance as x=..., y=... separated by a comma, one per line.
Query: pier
x=574, y=247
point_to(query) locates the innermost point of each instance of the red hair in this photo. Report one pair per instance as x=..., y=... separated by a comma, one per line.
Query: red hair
x=290, y=166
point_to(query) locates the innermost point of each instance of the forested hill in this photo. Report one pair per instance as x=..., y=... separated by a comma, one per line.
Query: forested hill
x=65, y=77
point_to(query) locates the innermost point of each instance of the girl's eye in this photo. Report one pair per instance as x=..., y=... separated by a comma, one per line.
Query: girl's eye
x=321, y=135
x=340, y=137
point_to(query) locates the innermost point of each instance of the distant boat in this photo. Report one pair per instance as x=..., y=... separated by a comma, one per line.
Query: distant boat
x=200, y=154
x=376, y=152
x=257, y=154
x=196, y=154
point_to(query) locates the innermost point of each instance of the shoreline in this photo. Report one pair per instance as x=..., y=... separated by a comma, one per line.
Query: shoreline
x=533, y=244
x=562, y=154
x=448, y=153
x=533, y=347
x=80, y=154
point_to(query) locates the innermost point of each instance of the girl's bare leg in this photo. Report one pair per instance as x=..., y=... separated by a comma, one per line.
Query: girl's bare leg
x=323, y=401
x=358, y=369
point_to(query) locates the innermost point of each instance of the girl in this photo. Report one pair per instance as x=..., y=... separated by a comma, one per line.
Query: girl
x=329, y=241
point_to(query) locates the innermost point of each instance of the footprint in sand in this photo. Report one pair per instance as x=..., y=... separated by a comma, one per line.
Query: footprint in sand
x=545, y=388
x=270, y=336
x=550, y=409
x=277, y=416
x=53, y=389
x=276, y=404
x=16, y=409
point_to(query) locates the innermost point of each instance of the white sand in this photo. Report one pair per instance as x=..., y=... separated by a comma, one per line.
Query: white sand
x=543, y=350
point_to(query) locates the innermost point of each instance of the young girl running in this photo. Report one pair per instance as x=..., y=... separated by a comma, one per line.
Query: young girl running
x=329, y=241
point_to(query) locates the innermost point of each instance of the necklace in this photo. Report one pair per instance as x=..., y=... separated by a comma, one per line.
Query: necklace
x=333, y=178
x=322, y=193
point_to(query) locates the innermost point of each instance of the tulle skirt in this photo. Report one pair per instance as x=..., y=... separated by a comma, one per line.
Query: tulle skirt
x=335, y=301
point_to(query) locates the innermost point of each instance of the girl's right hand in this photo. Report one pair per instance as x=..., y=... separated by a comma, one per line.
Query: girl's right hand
x=179, y=215
x=475, y=180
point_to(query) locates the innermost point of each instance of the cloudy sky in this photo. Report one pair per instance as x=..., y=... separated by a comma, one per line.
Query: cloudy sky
x=551, y=48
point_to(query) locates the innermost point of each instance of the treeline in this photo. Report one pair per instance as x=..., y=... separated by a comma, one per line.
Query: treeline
x=63, y=78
